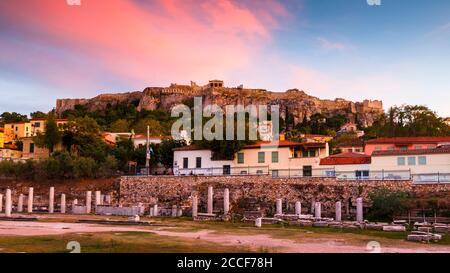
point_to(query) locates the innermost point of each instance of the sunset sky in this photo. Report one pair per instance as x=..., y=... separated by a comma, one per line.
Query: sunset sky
x=398, y=52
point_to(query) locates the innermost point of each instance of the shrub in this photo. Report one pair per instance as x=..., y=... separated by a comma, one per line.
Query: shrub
x=387, y=203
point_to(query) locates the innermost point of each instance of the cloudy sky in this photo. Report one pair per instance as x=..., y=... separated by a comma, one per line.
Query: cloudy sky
x=397, y=52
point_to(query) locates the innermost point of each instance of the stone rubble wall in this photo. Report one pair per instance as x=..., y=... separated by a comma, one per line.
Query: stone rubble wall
x=259, y=190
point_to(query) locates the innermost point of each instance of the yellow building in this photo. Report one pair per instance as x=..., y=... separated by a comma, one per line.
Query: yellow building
x=285, y=158
x=15, y=131
x=31, y=151
x=2, y=138
x=38, y=125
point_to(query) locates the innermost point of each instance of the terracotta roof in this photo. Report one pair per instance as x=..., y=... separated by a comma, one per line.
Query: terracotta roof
x=284, y=143
x=441, y=150
x=191, y=147
x=346, y=159
x=408, y=140
x=140, y=136
x=352, y=143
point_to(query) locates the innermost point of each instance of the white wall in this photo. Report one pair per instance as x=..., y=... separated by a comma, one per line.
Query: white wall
x=209, y=167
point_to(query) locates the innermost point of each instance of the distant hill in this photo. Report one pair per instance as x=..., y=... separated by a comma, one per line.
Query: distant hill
x=293, y=103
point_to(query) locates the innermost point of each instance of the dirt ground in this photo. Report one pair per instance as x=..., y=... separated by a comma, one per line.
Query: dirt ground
x=270, y=240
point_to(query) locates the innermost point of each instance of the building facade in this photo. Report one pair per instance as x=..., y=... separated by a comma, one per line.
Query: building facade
x=2, y=138
x=282, y=158
x=15, y=131
x=404, y=144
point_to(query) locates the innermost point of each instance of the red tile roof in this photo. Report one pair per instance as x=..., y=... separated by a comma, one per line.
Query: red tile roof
x=284, y=143
x=346, y=159
x=441, y=150
x=352, y=143
x=408, y=140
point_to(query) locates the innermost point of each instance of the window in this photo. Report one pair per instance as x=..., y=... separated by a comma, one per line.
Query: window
x=274, y=173
x=31, y=148
x=274, y=157
x=226, y=169
x=411, y=161
x=422, y=160
x=403, y=148
x=185, y=163
x=261, y=157
x=198, y=162
x=401, y=161
x=307, y=171
x=418, y=147
x=240, y=158
x=391, y=148
x=259, y=172
x=431, y=147
x=244, y=172
x=37, y=125
x=377, y=148
x=309, y=153
x=362, y=174
x=330, y=173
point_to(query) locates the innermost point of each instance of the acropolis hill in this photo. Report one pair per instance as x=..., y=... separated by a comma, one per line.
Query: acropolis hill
x=292, y=102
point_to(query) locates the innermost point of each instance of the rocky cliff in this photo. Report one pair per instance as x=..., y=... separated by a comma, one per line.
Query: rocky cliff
x=292, y=102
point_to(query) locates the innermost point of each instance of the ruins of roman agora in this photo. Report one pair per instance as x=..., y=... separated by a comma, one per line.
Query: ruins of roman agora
x=228, y=154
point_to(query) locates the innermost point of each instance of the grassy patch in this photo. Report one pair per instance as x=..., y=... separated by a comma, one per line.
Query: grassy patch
x=114, y=242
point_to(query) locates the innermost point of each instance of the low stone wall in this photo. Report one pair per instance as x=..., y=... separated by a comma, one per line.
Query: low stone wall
x=251, y=192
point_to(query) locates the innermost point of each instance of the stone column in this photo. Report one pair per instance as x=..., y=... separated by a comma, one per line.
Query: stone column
x=108, y=199
x=174, y=211
x=98, y=196
x=51, y=200
x=63, y=203
x=210, y=199
x=75, y=202
x=102, y=199
x=258, y=222
x=359, y=210
x=20, y=204
x=151, y=214
x=298, y=208
x=30, y=200
x=88, y=201
x=1, y=202
x=8, y=203
x=194, y=206
x=338, y=211
x=226, y=201
x=318, y=210
x=155, y=210
x=279, y=206
x=313, y=206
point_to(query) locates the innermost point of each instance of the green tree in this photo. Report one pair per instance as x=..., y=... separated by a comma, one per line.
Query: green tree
x=120, y=125
x=408, y=120
x=13, y=117
x=387, y=203
x=156, y=129
x=82, y=137
x=38, y=115
x=51, y=137
x=166, y=151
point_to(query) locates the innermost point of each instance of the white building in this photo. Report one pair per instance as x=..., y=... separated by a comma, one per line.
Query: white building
x=424, y=165
x=193, y=160
x=347, y=166
x=282, y=158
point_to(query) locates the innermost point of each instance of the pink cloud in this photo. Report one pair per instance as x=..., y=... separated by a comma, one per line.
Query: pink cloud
x=138, y=43
x=327, y=44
